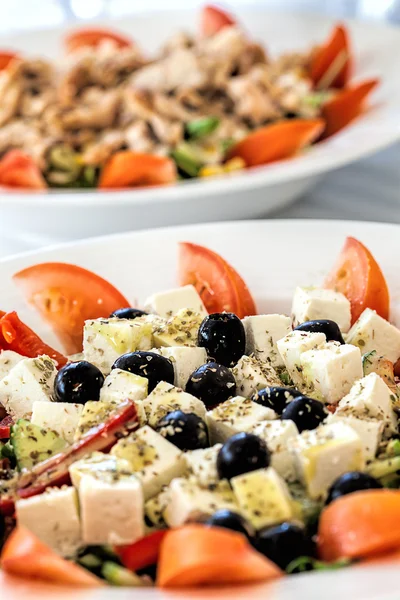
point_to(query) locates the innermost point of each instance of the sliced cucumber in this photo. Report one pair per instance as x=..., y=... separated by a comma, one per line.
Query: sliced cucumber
x=200, y=128
x=119, y=576
x=186, y=160
x=382, y=468
x=33, y=444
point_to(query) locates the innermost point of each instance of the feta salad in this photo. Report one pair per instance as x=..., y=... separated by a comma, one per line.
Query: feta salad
x=193, y=441
x=108, y=115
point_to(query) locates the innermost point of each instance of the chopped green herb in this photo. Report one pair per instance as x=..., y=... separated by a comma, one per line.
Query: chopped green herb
x=306, y=563
x=200, y=128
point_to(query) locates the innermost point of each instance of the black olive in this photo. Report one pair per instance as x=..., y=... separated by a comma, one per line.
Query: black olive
x=306, y=413
x=187, y=431
x=223, y=336
x=212, y=383
x=329, y=328
x=242, y=453
x=127, y=313
x=231, y=520
x=153, y=366
x=283, y=543
x=276, y=398
x=354, y=481
x=78, y=382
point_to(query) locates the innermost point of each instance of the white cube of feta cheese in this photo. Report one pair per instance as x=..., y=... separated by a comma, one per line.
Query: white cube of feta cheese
x=166, y=398
x=54, y=518
x=104, y=340
x=121, y=385
x=370, y=397
x=8, y=360
x=262, y=333
x=276, y=435
x=62, y=417
x=101, y=465
x=169, y=302
x=292, y=346
x=311, y=304
x=188, y=501
x=186, y=360
x=202, y=465
x=330, y=371
x=111, y=509
x=252, y=375
x=369, y=430
x=180, y=330
x=155, y=507
x=153, y=459
x=263, y=497
x=372, y=332
x=31, y=379
x=235, y=415
x=323, y=454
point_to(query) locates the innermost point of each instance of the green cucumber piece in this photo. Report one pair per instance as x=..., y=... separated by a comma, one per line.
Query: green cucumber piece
x=121, y=577
x=33, y=444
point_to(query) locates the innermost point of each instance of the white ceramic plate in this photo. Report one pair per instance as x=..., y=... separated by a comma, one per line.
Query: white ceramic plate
x=60, y=216
x=273, y=257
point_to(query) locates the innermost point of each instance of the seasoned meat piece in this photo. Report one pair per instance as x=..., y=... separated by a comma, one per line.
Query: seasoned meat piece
x=27, y=137
x=179, y=41
x=252, y=100
x=96, y=109
x=106, y=143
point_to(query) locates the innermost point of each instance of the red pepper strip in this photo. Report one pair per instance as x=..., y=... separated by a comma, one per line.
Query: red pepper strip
x=142, y=553
x=16, y=336
x=332, y=63
x=345, y=106
x=54, y=471
x=4, y=432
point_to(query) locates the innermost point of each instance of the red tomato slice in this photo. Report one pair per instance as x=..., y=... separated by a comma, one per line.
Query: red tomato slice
x=358, y=276
x=66, y=296
x=92, y=37
x=332, y=63
x=142, y=553
x=6, y=58
x=17, y=336
x=213, y=19
x=25, y=556
x=132, y=169
x=19, y=170
x=221, y=288
x=4, y=432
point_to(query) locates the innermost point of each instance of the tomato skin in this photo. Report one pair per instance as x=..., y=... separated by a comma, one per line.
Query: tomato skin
x=66, y=296
x=18, y=170
x=221, y=288
x=278, y=141
x=25, y=556
x=92, y=37
x=213, y=19
x=142, y=553
x=17, y=336
x=358, y=276
x=132, y=169
x=360, y=524
x=6, y=59
x=325, y=56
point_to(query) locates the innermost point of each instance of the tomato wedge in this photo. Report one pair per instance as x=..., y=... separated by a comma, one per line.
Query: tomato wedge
x=92, y=37
x=6, y=58
x=17, y=336
x=277, y=141
x=360, y=524
x=213, y=19
x=358, y=276
x=66, y=296
x=221, y=288
x=131, y=169
x=346, y=106
x=142, y=553
x=199, y=555
x=19, y=170
x=331, y=65
x=26, y=556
